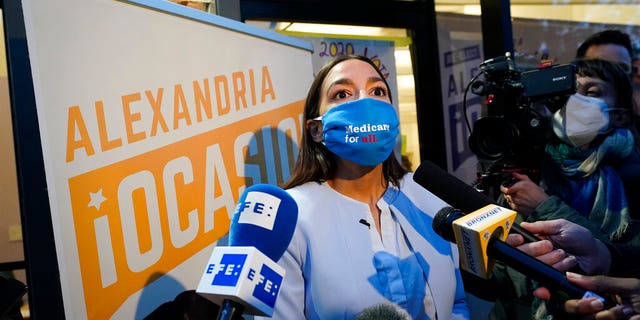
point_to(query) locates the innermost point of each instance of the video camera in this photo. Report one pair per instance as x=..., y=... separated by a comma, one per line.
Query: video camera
x=513, y=134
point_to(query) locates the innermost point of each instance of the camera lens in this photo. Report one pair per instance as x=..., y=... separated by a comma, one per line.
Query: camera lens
x=493, y=137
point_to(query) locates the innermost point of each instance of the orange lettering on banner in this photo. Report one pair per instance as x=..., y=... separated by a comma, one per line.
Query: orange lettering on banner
x=76, y=122
x=239, y=90
x=158, y=118
x=224, y=90
x=202, y=100
x=105, y=143
x=252, y=86
x=144, y=118
x=267, y=85
x=180, y=110
x=143, y=216
x=131, y=117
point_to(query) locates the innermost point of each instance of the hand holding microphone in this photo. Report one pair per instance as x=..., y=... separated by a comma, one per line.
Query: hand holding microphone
x=464, y=197
x=590, y=254
x=461, y=195
x=523, y=195
x=627, y=291
x=544, y=251
x=244, y=276
x=478, y=237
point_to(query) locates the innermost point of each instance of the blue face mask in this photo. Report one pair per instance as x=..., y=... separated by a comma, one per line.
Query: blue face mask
x=363, y=131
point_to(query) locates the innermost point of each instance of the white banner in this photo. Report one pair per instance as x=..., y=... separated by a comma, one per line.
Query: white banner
x=153, y=117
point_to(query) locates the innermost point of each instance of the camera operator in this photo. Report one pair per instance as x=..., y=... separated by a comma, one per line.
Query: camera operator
x=590, y=175
x=592, y=170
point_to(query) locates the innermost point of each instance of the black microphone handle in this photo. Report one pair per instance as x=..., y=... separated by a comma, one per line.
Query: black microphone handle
x=548, y=276
x=230, y=310
x=457, y=193
x=528, y=236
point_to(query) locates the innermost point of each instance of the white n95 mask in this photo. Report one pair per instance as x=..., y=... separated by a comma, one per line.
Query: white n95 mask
x=581, y=120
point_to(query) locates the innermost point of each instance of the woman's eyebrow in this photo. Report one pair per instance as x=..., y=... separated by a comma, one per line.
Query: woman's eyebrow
x=339, y=81
x=375, y=79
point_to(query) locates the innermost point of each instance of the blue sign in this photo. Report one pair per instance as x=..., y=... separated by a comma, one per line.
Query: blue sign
x=268, y=286
x=459, y=131
x=229, y=270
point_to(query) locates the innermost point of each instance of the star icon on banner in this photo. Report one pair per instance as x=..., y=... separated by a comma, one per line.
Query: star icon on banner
x=96, y=199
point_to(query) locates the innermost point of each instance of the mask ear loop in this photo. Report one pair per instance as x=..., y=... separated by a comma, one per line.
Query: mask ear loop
x=319, y=118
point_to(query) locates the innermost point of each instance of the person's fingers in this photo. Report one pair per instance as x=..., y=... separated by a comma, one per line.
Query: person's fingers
x=538, y=248
x=566, y=263
x=542, y=293
x=583, y=306
x=546, y=227
x=544, y=251
x=615, y=285
x=514, y=239
x=632, y=300
x=558, y=259
x=615, y=313
x=521, y=177
x=627, y=289
x=622, y=312
x=508, y=198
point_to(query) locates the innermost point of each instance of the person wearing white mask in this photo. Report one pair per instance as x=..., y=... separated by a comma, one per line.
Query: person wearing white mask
x=363, y=240
x=594, y=165
x=590, y=174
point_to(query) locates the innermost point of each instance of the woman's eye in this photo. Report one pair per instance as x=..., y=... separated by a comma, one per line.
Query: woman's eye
x=594, y=93
x=379, y=92
x=340, y=95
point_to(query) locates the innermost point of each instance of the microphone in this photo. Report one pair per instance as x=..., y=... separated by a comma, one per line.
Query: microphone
x=457, y=193
x=478, y=237
x=383, y=311
x=244, y=276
